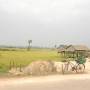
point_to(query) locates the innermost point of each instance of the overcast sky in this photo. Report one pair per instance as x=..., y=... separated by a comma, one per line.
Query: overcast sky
x=46, y=22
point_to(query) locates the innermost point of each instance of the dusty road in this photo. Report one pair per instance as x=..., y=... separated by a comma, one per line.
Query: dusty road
x=57, y=82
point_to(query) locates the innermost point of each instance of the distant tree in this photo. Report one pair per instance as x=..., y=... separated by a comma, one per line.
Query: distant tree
x=55, y=46
x=29, y=44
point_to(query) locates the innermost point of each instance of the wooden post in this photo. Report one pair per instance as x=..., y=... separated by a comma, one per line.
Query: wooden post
x=20, y=68
x=10, y=65
x=73, y=54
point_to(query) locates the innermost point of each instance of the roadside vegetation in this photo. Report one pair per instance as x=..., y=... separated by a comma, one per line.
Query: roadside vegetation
x=22, y=57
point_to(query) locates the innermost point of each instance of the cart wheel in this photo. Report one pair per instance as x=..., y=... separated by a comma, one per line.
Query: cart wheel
x=80, y=68
x=67, y=67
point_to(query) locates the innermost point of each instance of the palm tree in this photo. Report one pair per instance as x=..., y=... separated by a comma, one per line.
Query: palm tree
x=29, y=44
x=55, y=46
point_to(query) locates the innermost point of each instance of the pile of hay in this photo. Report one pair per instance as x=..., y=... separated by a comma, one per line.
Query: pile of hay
x=16, y=71
x=39, y=68
x=58, y=67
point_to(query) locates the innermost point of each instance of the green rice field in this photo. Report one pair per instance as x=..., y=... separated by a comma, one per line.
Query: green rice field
x=24, y=57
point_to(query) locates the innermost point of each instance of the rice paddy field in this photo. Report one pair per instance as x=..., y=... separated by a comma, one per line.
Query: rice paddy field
x=24, y=57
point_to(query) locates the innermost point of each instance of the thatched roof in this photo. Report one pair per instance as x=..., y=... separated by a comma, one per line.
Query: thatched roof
x=73, y=48
x=62, y=48
x=77, y=48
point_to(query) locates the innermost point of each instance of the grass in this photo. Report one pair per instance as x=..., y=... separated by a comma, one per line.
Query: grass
x=24, y=57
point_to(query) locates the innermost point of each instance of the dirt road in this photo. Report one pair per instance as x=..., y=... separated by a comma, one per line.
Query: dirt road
x=57, y=82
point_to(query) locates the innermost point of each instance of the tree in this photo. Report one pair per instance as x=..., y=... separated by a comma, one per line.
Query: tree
x=29, y=44
x=55, y=46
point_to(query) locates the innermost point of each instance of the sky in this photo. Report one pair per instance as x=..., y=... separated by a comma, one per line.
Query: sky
x=45, y=22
